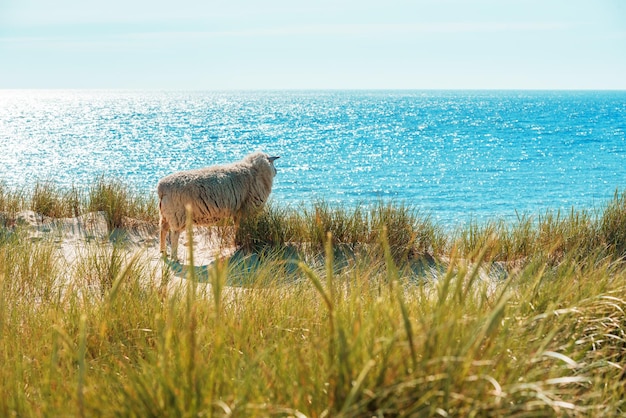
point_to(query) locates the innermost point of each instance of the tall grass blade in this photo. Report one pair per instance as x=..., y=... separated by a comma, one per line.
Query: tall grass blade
x=120, y=278
x=356, y=386
x=317, y=283
x=82, y=366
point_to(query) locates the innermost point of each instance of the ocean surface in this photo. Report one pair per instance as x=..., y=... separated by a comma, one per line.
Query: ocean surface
x=456, y=156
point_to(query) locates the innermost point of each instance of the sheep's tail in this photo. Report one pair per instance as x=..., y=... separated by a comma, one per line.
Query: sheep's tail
x=160, y=194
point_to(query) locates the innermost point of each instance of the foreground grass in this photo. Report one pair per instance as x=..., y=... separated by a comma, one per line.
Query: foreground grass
x=351, y=336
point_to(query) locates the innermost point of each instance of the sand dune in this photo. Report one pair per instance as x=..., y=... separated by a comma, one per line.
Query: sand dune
x=75, y=237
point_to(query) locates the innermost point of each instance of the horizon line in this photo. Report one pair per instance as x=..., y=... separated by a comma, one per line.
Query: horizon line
x=270, y=89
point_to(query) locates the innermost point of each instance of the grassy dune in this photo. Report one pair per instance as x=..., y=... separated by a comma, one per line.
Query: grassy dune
x=380, y=313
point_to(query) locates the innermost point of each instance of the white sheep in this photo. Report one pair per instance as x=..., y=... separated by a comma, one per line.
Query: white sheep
x=213, y=193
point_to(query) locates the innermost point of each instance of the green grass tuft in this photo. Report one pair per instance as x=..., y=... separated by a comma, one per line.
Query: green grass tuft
x=49, y=200
x=11, y=202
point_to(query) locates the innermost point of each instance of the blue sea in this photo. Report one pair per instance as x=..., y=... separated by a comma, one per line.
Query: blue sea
x=456, y=156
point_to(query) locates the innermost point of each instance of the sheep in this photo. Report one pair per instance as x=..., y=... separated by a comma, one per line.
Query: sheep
x=213, y=193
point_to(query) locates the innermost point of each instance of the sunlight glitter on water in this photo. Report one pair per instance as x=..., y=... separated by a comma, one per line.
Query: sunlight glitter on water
x=455, y=155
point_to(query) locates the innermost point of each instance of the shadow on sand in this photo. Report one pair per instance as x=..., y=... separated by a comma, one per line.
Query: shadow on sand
x=245, y=268
x=270, y=265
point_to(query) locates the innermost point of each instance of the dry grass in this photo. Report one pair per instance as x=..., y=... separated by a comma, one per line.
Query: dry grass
x=319, y=335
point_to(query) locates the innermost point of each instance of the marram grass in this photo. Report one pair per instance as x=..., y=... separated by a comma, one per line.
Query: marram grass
x=340, y=336
x=112, y=197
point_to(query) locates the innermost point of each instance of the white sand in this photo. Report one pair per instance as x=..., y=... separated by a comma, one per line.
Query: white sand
x=74, y=238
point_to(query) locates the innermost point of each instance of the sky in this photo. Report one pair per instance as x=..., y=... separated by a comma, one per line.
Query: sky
x=313, y=44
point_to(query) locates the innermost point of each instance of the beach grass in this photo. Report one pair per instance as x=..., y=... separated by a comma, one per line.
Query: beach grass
x=116, y=199
x=382, y=313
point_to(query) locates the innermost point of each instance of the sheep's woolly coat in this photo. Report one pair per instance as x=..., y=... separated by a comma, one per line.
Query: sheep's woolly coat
x=234, y=190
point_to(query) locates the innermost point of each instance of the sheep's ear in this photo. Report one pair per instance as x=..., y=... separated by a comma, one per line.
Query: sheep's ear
x=273, y=158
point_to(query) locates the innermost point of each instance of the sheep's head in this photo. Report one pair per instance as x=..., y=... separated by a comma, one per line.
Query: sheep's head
x=271, y=160
x=260, y=159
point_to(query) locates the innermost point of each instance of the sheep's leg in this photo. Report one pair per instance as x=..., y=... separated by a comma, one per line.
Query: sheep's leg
x=165, y=226
x=236, y=222
x=174, y=235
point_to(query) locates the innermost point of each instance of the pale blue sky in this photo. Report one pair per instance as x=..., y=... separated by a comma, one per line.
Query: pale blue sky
x=314, y=44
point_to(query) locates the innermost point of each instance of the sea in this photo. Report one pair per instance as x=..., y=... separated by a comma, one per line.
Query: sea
x=454, y=156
